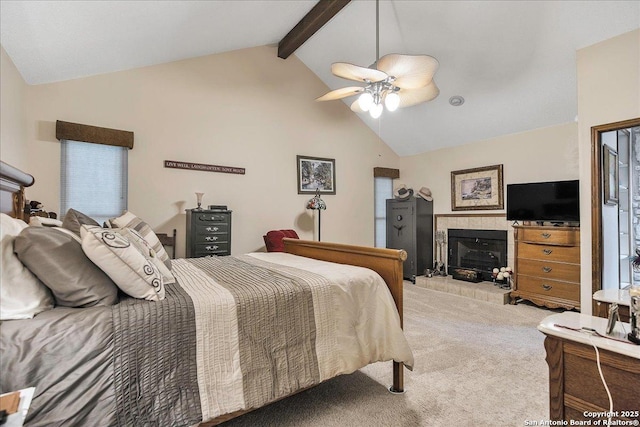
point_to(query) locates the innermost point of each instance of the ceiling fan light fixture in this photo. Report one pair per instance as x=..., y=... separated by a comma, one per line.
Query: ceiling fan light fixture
x=375, y=111
x=392, y=81
x=365, y=101
x=392, y=101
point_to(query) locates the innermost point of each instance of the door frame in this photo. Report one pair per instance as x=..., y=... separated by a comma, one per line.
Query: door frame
x=597, y=198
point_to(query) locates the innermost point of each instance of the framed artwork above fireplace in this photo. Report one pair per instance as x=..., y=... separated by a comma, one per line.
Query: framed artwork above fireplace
x=477, y=189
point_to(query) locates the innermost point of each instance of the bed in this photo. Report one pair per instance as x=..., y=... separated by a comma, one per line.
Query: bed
x=232, y=334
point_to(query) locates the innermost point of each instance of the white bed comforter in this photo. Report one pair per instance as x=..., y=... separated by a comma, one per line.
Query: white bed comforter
x=353, y=321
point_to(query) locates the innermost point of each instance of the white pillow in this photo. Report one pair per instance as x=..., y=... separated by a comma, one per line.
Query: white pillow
x=130, y=270
x=22, y=295
x=145, y=248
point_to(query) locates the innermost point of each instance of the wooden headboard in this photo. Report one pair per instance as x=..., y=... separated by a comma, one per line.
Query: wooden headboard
x=12, y=184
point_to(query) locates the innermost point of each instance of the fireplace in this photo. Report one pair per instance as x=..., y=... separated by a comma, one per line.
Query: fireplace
x=479, y=250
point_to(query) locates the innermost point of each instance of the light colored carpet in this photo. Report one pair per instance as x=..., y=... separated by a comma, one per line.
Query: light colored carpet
x=477, y=364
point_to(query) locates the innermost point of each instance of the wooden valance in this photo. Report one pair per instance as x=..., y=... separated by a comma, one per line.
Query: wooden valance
x=97, y=135
x=386, y=173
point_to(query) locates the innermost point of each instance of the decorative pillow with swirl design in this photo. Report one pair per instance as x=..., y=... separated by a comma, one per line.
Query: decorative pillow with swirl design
x=133, y=272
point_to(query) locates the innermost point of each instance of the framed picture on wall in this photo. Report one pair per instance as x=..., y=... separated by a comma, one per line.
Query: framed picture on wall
x=477, y=189
x=316, y=174
x=610, y=175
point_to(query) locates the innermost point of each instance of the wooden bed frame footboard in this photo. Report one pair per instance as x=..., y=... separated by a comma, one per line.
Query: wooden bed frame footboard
x=386, y=262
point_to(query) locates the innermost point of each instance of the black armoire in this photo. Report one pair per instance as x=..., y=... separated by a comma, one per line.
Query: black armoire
x=410, y=227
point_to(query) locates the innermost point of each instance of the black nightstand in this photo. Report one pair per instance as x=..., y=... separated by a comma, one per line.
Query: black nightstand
x=208, y=232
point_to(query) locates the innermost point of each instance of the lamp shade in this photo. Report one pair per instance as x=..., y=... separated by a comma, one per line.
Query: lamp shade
x=365, y=101
x=375, y=111
x=392, y=101
x=316, y=203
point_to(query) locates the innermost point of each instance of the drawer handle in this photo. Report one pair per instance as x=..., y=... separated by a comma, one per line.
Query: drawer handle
x=547, y=287
x=547, y=251
x=212, y=229
x=211, y=238
x=546, y=235
x=211, y=248
x=547, y=269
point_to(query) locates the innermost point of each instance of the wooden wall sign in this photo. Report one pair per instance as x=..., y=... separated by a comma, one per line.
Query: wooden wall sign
x=202, y=167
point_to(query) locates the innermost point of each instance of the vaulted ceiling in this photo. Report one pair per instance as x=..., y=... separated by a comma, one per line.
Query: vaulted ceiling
x=512, y=61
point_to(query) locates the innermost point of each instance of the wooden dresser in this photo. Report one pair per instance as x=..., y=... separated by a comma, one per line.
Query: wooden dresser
x=547, y=266
x=208, y=232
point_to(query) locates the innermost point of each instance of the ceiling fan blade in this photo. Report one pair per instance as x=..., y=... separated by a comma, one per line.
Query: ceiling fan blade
x=411, y=97
x=410, y=71
x=356, y=72
x=340, y=93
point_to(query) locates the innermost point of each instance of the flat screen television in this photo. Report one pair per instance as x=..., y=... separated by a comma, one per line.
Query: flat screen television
x=556, y=201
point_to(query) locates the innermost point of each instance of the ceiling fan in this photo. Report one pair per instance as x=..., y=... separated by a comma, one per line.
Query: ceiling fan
x=394, y=80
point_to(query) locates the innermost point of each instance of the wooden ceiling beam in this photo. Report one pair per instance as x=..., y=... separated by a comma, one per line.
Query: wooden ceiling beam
x=321, y=13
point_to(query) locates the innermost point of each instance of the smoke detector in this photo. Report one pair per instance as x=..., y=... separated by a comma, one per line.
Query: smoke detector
x=456, y=100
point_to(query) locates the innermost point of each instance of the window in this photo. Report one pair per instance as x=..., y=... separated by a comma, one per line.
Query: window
x=383, y=190
x=93, y=179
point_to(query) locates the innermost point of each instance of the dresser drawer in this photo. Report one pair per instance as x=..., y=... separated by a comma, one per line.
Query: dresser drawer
x=212, y=238
x=208, y=218
x=211, y=249
x=550, y=236
x=549, y=270
x=212, y=228
x=548, y=288
x=549, y=252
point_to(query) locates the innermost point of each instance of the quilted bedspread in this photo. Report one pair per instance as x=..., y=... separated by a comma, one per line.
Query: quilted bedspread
x=233, y=333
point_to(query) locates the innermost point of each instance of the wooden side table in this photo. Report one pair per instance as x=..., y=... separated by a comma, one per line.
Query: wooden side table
x=576, y=391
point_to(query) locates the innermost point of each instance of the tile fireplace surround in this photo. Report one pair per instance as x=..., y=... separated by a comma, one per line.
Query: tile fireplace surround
x=484, y=291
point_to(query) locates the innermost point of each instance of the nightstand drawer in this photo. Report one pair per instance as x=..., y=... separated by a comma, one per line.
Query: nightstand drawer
x=212, y=249
x=207, y=218
x=550, y=270
x=212, y=228
x=212, y=238
x=549, y=236
x=549, y=252
x=548, y=288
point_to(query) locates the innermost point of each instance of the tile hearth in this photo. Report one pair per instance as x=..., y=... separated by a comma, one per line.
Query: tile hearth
x=483, y=291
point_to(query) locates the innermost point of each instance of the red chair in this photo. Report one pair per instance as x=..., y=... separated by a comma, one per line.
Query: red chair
x=273, y=239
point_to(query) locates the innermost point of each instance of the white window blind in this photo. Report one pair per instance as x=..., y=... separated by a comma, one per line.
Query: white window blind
x=383, y=190
x=93, y=179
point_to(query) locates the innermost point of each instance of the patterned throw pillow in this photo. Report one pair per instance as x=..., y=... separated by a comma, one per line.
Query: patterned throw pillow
x=131, y=271
x=145, y=248
x=129, y=220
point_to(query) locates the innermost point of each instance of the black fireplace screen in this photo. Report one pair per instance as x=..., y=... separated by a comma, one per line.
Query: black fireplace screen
x=480, y=250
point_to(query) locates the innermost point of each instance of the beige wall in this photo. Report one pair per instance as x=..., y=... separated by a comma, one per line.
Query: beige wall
x=244, y=108
x=545, y=154
x=608, y=91
x=12, y=117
